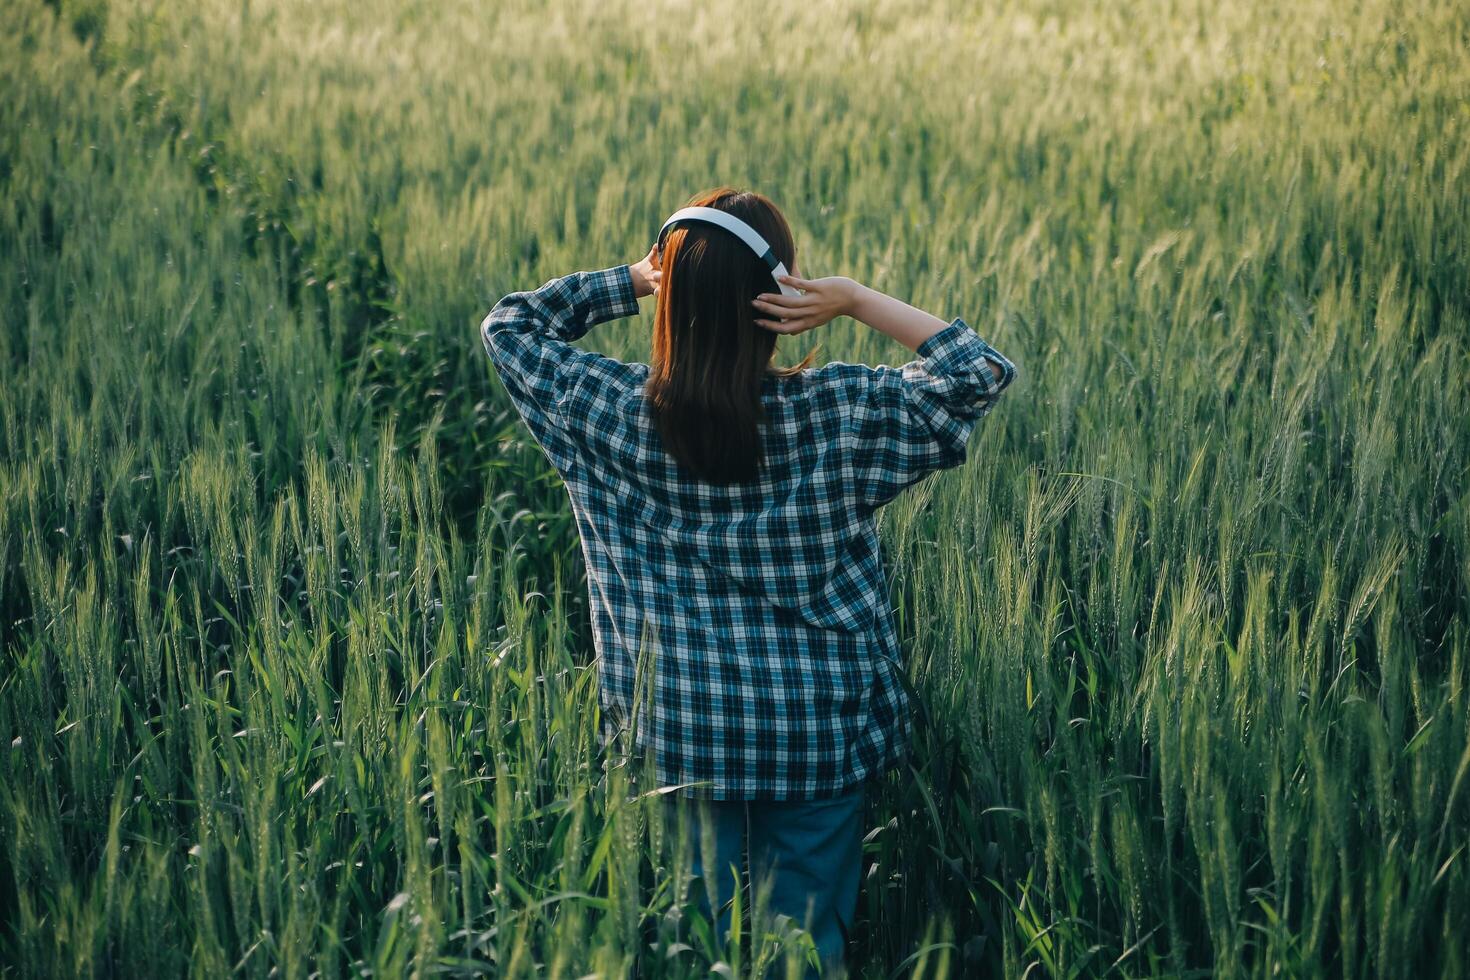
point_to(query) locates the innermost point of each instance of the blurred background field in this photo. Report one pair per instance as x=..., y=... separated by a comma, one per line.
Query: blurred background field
x=295, y=673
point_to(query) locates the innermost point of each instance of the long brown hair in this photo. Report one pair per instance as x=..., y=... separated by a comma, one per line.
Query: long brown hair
x=709, y=355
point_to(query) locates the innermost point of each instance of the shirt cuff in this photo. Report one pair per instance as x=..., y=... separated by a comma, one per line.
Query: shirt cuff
x=958, y=346
x=612, y=294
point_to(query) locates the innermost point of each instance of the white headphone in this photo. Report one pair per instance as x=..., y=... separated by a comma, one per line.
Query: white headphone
x=741, y=230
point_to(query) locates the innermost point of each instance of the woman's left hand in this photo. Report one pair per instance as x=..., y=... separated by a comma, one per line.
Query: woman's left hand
x=646, y=274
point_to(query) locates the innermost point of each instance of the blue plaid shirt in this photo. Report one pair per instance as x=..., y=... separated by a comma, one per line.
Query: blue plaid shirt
x=743, y=632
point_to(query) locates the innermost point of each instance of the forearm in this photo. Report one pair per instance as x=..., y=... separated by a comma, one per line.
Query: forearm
x=905, y=323
x=886, y=314
x=567, y=307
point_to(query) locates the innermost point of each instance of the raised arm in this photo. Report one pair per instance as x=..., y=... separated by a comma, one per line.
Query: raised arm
x=899, y=423
x=527, y=336
x=906, y=422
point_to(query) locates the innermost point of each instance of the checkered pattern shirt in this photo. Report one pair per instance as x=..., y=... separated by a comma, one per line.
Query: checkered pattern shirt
x=742, y=631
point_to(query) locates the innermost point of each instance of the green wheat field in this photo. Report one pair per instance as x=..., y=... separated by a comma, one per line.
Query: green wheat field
x=296, y=676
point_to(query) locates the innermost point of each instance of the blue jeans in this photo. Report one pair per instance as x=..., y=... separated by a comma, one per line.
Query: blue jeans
x=812, y=849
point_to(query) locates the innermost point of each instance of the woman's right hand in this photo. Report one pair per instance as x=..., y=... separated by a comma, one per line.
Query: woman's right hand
x=822, y=300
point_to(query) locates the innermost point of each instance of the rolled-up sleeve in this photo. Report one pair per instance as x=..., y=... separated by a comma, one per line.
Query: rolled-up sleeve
x=906, y=422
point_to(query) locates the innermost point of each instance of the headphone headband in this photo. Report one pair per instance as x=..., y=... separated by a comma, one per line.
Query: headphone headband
x=740, y=230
